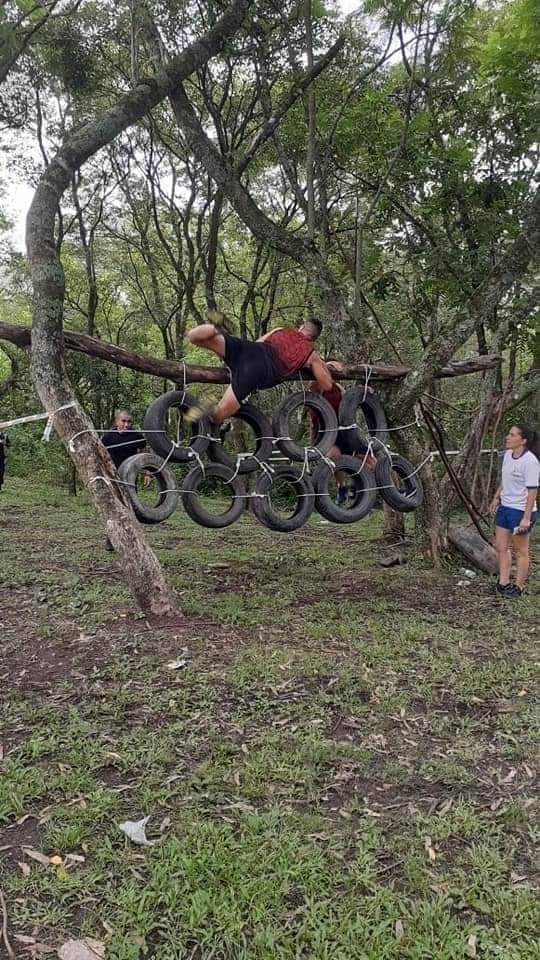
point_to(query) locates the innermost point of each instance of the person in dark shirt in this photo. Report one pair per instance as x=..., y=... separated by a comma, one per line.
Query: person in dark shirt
x=4, y=443
x=261, y=364
x=123, y=442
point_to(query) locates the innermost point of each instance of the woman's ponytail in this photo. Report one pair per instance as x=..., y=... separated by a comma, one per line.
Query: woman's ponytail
x=532, y=437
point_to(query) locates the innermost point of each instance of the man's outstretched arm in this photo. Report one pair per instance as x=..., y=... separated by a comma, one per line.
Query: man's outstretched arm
x=320, y=371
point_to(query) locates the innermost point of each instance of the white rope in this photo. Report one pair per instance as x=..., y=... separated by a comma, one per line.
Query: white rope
x=239, y=458
x=246, y=496
x=196, y=456
x=368, y=370
x=32, y=418
x=184, y=373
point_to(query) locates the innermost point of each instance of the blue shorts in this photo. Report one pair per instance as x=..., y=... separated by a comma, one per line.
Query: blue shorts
x=508, y=518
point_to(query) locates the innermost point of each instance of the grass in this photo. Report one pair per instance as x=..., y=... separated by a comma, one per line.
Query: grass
x=342, y=770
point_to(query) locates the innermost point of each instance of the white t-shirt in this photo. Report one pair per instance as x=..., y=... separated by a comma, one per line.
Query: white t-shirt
x=519, y=475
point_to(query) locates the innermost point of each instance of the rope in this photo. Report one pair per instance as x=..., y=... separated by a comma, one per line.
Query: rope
x=469, y=505
x=368, y=370
x=32, y=418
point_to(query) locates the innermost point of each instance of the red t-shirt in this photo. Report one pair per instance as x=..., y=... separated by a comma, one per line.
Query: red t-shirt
x=333, y=397
x=291, y=350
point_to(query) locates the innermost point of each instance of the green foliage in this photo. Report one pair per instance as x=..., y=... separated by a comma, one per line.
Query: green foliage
x=510, y=56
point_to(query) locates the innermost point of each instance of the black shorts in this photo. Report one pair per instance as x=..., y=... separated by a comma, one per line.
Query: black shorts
x=252, y=366
x=343, y=441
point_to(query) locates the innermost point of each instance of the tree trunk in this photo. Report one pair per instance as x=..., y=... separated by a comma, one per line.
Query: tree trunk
x=469, y=543
x=431, y=520
x=393, y=526
x=139, y=563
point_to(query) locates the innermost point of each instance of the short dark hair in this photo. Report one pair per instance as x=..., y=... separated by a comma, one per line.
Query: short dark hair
x=315, y=322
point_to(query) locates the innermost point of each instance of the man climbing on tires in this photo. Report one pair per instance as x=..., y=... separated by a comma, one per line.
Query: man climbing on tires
x=261, y=364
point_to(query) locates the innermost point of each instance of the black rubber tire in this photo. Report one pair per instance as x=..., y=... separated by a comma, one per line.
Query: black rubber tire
x=374, y=414
x=327, y=419
x=190, y=499
x=414, y=495
x=167, y=502
x=155, y=420
x=262, y=429
x=262, y=507
x=363, y=481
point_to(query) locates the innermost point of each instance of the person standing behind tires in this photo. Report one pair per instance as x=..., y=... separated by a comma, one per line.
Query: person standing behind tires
x=4, y=444
x=123, y=442
x=514, y=507
x=342, y=445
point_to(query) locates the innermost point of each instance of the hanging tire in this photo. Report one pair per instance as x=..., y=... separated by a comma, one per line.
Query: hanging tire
x=305, y=498
x=262, y=429
x=130, y=471
x=155, y=428
x=377, y=427
x=363, y=485
x=411, y=494
x=327, y=431
x=193, y=482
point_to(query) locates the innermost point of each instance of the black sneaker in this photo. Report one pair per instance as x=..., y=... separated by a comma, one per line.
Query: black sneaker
x=514, y=591
x=504, y=589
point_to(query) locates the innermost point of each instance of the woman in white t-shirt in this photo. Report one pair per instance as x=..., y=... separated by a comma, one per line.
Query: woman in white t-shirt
x=514, y=506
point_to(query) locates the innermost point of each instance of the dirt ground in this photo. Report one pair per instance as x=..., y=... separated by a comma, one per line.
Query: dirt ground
x=338, y=761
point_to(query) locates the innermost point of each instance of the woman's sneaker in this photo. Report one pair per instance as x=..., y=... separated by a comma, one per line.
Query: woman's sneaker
x=515, y=592
x=509, y=590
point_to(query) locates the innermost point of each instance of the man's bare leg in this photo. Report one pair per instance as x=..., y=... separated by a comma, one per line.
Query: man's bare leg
x=207, y=336
x=227, y=407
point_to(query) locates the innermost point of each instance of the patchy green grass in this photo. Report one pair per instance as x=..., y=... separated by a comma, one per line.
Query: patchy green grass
x=343, y=769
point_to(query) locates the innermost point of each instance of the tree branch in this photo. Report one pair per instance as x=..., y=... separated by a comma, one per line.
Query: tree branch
x=175, y=370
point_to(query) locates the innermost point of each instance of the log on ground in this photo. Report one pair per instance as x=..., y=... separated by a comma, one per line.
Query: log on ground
x=471, y=545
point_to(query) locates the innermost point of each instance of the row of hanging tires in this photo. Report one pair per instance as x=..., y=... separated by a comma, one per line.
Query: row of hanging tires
x=308, y=485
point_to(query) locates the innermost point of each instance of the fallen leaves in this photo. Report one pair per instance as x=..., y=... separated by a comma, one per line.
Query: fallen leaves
x=57, y=861
x=36, y=855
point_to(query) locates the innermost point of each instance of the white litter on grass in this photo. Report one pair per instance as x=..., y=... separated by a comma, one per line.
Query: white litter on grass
x=323, y=522
x=465, y=572
x=177, y=664
x=135, y=830
x=180, y=661
x=464, y=583
x=85, y=949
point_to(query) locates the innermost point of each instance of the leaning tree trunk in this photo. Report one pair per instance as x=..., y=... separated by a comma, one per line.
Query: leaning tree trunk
x=139, y=563
x=431, y=518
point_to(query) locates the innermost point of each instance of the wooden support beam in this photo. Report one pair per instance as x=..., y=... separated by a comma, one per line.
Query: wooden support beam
x=176, y=371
